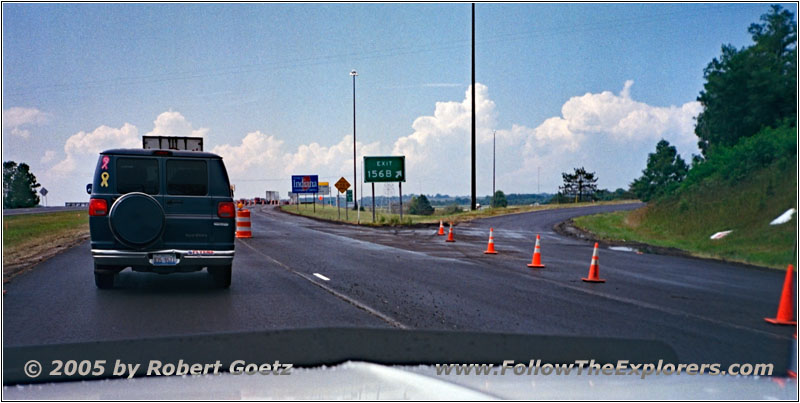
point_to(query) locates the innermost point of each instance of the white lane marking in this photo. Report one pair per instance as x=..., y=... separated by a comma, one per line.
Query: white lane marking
x=321, y=276
x=352, y=301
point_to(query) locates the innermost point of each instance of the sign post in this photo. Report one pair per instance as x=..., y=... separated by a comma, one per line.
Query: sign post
x=348, y=198
x=342, y=185
x=385, y=169
x=400, y=186
x=324, y=190
x=305, y=184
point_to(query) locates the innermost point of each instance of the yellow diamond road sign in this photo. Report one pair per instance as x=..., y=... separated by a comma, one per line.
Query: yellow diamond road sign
x=342, y=185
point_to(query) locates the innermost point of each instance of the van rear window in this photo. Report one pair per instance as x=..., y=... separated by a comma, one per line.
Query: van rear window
x=187, y=177
x=137, y=175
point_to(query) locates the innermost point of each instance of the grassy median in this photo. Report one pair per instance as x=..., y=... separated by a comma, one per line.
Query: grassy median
x=384, y=219
x=29, y=238
x=687, y=221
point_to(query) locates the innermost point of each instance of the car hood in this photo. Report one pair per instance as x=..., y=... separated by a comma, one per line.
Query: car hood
x=369, y=363
x=367, y=381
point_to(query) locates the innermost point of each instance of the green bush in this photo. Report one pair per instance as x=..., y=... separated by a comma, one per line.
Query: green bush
x=663, y=174
x=452, y=209
x=732, y=164
x=499, y=199
x=420, y=205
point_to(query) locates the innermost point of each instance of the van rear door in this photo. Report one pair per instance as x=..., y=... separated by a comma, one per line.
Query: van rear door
x=189, y=209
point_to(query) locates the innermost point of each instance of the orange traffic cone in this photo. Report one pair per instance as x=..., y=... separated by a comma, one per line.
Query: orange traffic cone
x=490, y=248
x=450, y=234
x=785, y=308
x=243, y=227
x=441, y=228
x=536, y=260
x=594, y=269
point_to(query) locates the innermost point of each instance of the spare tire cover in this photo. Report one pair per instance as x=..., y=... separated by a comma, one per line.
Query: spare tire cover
x=136, y=219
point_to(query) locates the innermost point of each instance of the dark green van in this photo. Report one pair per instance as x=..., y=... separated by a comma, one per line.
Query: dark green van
x=161, y=211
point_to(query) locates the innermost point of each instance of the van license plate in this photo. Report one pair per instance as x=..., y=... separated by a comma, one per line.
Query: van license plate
x=164, y=259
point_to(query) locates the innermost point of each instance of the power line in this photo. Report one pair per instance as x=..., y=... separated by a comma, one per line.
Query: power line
x=349, y=56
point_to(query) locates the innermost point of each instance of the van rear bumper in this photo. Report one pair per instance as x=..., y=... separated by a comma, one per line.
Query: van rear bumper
x=185, y=258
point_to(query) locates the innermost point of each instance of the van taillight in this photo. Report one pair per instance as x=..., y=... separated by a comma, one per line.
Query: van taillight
x=226, y=210
x=98, y=207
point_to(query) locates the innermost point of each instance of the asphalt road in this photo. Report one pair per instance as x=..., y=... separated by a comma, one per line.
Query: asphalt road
x=300, y=273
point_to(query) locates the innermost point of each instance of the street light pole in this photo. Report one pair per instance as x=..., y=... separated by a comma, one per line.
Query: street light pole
x=473, y=201
x=494, y=140
x=355, y=178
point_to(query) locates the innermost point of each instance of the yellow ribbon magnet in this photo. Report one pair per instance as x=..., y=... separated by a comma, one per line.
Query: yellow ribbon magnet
x=104, y=177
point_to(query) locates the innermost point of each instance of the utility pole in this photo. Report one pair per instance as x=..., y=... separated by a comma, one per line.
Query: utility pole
x=474, y=195
x=494, y=140
x=355, y=178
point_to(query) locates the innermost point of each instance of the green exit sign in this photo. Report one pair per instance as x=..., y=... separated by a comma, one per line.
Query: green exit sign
x=385, y=169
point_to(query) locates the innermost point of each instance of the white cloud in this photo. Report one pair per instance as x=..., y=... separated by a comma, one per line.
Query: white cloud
x=605, y=132
x=619, y=118
x=336, y=159
x=262, y=162
x=259, y=152
x=15, y=118
x=83, y=146
x=172, y=123
x=436, y=148
x=609, y=131
x=48, y=156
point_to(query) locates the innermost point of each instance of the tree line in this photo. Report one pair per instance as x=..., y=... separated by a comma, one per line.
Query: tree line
x=19, y=186
x=749, y=116
x=748, y=120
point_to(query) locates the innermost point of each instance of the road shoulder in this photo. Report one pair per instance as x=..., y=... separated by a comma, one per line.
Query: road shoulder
x=568, y=228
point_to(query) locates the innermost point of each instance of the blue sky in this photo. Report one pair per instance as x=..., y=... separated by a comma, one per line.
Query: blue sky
x=268, y=86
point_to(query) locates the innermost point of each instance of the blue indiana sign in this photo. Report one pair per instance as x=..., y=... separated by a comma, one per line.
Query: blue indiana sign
x=305, y=184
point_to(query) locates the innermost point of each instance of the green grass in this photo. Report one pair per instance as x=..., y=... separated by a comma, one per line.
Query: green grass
x=688, y=220
x=18, y=229
x=26, y=235
x=381, y=218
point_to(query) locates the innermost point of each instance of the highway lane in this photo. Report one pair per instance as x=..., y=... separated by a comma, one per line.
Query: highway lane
x=57, y=302
x=298, y=272
x=709, y=311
